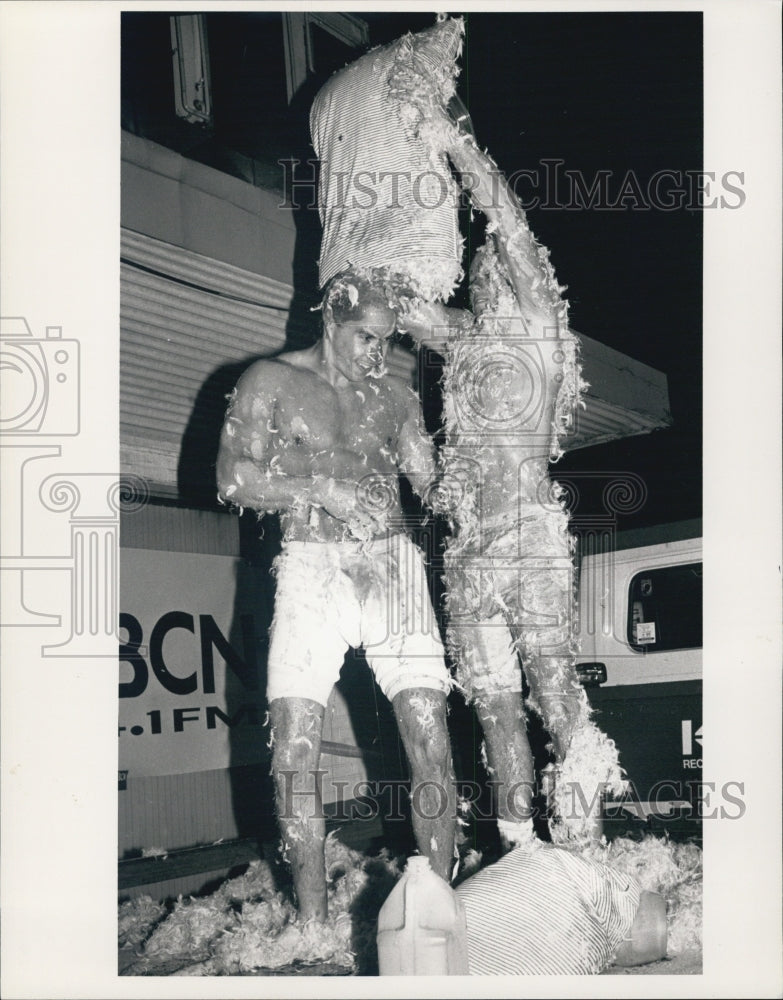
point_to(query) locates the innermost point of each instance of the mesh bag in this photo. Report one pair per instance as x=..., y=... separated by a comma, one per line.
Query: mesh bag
x=546, y=911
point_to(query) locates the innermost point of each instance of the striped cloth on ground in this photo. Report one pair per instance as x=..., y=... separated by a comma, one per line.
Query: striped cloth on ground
x=386, y=197
x=546, y=911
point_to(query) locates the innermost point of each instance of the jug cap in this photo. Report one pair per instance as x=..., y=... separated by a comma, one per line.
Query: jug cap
x=418, y=863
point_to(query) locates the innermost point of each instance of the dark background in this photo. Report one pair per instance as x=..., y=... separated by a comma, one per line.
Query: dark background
x=616, y=92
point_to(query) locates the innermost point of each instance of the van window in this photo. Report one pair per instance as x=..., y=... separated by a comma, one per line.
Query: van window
x=664, y=609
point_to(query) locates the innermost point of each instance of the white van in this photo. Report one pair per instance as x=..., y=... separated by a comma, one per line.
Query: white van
x=640, y=632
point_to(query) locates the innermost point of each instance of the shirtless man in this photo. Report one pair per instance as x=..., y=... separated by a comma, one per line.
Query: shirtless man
x=320, y=436
x=510, y=385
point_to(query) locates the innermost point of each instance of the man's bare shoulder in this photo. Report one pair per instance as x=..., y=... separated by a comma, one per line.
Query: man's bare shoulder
x=269, y=374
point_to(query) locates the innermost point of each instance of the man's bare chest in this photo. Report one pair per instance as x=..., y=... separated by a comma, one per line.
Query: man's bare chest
x=357, y=418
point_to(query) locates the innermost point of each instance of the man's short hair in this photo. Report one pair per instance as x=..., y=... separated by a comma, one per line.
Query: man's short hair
x=350, y=293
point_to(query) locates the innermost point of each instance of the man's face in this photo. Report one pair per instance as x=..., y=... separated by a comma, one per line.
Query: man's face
x=360, y=345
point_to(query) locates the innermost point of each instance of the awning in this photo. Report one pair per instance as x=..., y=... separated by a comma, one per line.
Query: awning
x=190, y=325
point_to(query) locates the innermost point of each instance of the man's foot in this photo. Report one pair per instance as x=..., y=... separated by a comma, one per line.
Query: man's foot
x=318, y=941
x=514, y=834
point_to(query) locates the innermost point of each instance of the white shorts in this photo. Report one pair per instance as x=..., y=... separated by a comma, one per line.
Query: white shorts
x=334, y=595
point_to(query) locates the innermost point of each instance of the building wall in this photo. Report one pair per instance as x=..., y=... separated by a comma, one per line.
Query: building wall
x=205, y=211
x=215, y=273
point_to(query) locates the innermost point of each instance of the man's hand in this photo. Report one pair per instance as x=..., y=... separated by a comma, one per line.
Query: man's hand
x=343, y=500
x=422, y=320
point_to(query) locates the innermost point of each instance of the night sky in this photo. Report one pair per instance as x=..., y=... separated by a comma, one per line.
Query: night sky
x=620, y=93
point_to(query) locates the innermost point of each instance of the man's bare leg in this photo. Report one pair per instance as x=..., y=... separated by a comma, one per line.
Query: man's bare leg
x=510, y=762
x=421, y=717
x=560, y=699
x=297, y=725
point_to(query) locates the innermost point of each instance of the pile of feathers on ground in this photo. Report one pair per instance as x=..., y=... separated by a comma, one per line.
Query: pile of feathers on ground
x=249, y=925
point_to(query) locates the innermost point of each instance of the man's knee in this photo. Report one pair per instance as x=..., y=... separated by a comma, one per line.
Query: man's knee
x=421, y=715
x=502, y=711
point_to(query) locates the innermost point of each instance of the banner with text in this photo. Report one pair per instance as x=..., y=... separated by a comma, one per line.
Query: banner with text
x=192, y=662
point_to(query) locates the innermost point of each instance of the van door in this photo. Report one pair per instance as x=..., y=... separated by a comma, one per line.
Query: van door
x=640, y=628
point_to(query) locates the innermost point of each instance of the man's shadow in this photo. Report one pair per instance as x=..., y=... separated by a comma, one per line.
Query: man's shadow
x=257, y=545
x=242, y=706
x=258, y=542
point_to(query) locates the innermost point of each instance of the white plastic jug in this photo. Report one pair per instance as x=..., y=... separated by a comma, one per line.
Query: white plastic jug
x=421, y=926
